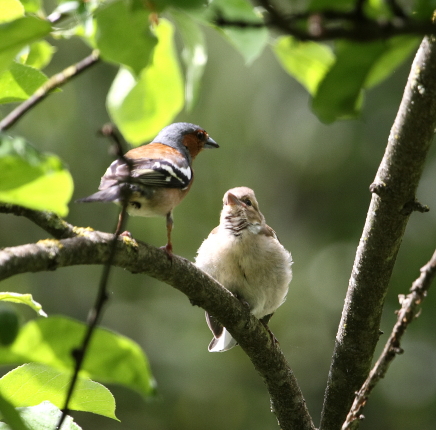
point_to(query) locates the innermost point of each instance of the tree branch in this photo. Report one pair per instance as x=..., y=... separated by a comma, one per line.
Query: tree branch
x=326, y=24
x=54, y=82
x=406, y=315
x=393, y=190
x=93, y=247
x=48, y=221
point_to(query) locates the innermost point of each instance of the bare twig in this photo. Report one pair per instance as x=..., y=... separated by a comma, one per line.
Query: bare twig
x=54, y=82
x=394, y=188
x=335, y=24
x=95, y=313
x=406, y=315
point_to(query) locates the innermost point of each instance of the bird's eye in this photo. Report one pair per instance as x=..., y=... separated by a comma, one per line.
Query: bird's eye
x=201, y=135
x=248, y=202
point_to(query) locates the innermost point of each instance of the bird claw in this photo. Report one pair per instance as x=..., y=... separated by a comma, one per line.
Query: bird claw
x=168, y=248
x=126, y=234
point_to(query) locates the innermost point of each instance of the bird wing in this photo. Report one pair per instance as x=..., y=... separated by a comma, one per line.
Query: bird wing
x=166, y=173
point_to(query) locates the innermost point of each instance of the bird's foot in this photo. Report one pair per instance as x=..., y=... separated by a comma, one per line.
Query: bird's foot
x=168, y=248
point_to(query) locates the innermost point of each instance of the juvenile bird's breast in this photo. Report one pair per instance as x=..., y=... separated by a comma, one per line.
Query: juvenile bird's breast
x=255, y=267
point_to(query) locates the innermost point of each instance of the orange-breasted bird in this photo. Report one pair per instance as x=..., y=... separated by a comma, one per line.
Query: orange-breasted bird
x=245, y=256
x=160, y=174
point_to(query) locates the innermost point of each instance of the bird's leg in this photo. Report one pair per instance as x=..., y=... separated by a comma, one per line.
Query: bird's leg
x=124, y=233
x=168, y=248
x=265, y=320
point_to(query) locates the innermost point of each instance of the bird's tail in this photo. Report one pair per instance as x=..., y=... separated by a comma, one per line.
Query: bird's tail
x=222, y=343
x=112, y=194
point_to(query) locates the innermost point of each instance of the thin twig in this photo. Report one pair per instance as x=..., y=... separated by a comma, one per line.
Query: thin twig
x=54, y=82
x=96, y=311
x=406, y=315
x=329, y=24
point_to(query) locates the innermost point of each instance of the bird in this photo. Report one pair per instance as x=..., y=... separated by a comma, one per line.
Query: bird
x=157, y=176
x=244, y=254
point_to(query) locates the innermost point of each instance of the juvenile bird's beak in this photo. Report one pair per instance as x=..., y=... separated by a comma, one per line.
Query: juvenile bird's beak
x=210, y=143
x=232, y=200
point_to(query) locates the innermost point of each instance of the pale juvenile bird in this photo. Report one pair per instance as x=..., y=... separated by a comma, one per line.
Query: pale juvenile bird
x=161, y=174
x=245, y=256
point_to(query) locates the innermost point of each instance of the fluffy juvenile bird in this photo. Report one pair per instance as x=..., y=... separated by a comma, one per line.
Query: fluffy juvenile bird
x=160, y=173
x=245, y=256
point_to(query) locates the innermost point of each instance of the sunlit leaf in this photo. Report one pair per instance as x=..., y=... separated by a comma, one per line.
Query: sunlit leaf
x=33, y=383
x=111, y=358
x=141, y=109
x=123, y=35
x=14, y=35
x=43, y=417
x=33, y=179
x=40, y=54
x=25, y=299
x=32, y=6
x=10, y=10
x=339, y=93
x=11, y=416
x=194, y=55
x=19, y=82
x=307, y=62
x=250, y=42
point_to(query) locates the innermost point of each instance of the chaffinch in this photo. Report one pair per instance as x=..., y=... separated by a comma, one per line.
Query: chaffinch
x=160, y=174
x=245, y=256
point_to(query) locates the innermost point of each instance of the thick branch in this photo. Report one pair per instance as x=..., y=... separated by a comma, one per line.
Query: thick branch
x=393, y=190
x=93, y=247
x=407, y=313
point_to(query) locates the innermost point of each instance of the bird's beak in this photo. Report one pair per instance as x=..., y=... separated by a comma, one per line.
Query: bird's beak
x=210, y=143
x=232, y=200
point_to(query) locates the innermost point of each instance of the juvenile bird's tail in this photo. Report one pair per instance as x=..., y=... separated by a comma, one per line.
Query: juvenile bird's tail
x=111, y=194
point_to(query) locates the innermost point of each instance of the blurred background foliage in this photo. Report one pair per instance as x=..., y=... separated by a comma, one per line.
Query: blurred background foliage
x=311, y=181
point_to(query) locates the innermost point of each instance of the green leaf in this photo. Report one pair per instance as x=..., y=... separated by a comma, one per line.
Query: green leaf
x=33, y=179
x=194, y=55
x=142, y=108
x=33, y=383
x=111, y=358
x=19, y=82
x=25, y=299
x=307, y=62
x=40, y=54
x=123, y=35
x=340, y=92
x=250, y=42
x=9, y=324
x=15, y=35
x=43, y=417
x=10, y=416
x=32, y=6
x=10, y=10
x=397, y=50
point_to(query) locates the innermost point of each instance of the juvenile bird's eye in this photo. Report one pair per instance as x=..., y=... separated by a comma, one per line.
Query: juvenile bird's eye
x=248, y=202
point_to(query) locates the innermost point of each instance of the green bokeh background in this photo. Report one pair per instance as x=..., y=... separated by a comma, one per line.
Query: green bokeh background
x=311, y=181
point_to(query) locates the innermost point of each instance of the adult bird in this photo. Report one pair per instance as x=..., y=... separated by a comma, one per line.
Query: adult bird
x=155, y=177
x=245, y=256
